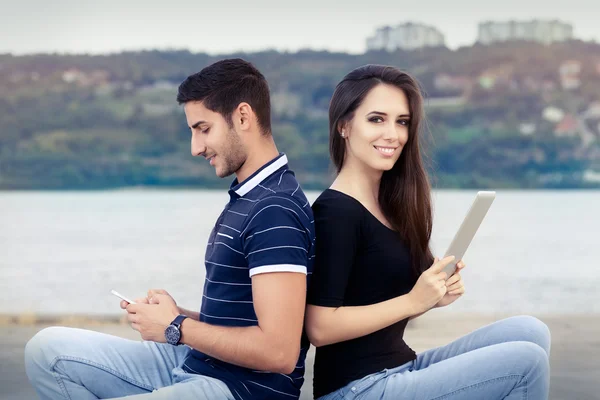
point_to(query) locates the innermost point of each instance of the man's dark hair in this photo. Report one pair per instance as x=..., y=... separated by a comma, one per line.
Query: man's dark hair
x=222, y=86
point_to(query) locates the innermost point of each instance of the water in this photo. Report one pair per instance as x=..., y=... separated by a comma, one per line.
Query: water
x=62, y=252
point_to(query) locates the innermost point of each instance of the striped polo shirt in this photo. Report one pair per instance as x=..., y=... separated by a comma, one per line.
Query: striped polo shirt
x=267, y=226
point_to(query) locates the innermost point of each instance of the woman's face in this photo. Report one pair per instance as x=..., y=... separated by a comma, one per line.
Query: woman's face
x=379, y=130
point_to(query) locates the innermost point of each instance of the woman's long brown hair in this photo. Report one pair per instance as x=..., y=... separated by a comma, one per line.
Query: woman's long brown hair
x=404, y=191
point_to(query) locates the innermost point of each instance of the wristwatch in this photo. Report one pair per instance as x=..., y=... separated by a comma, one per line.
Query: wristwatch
x=172, y=333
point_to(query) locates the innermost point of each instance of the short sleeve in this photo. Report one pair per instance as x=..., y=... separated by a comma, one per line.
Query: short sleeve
x=276, y=237
x=338, y=230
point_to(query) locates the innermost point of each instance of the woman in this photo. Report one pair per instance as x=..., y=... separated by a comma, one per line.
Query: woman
x=374, y=270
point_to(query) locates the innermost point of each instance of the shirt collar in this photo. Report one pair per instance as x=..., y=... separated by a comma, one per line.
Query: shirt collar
x=241, y=189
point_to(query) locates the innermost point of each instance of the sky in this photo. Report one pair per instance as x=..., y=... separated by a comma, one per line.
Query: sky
x=222, y=26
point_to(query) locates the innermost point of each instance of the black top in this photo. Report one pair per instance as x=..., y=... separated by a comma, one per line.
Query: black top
x=359, y=261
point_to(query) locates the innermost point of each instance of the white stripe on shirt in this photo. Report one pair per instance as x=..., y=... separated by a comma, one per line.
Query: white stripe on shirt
x=266, y=188
x=286, y=199
x=224, y=265
x=263, y=209
x=278, y=268
x=235, y=212
x=275, y=227
x=239, y=319
x=277, y=247
x=229, y=247
x=230, y=283
x=296, y=189
x=227, y=226
x=227, y=301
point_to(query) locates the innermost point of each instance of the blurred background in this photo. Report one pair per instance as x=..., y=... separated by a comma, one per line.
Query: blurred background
x=98, y=189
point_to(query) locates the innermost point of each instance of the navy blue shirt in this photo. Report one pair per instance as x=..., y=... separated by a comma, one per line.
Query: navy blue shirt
x=267, y=226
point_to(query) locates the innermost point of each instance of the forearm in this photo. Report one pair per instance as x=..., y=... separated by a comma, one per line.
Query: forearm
x=248, y=347
x=346, y=323
x=192, y=314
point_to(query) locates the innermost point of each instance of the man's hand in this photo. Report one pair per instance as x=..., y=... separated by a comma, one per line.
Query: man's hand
x=151, y=320
x=154, y=292
x=454, y=287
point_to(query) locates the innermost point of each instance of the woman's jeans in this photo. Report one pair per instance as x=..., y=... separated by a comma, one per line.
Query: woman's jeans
x=508, y=359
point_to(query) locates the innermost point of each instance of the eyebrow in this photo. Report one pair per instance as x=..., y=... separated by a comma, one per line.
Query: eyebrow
x=197, y=124
x=385, y=115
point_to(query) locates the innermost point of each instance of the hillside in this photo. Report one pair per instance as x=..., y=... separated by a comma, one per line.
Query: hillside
x=514, y=115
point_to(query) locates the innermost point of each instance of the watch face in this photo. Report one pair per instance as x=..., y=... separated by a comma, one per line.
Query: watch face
x=172, y=335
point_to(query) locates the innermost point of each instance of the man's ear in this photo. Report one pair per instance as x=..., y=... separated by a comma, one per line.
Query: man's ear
x=243, y=116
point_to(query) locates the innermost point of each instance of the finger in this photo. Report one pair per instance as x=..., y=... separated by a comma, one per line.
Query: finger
x=453, y=279
x=135, y=326
x=135, y=308
x=123, y=304
x=442, y=276
x=457, y=285
x=153, y=292
x=442, y=286
x=142, y=300
x=459, y=291
x=159, y=298
x=133, y=318
x=440, y=265
x=460, y=264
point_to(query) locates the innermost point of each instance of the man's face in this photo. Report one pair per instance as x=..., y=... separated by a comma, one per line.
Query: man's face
x=214, y=139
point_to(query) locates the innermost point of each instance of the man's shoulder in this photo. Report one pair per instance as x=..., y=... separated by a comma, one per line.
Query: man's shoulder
x=281, y=203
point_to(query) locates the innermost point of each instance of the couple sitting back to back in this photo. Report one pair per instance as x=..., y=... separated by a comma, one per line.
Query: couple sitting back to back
x=346, y=274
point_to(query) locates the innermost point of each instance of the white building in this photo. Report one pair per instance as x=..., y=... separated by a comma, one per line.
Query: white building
x=545, y=32
x=408, y=36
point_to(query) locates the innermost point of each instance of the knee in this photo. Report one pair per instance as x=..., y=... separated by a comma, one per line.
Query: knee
x=40, y=350
x=533, y=359
x=533, y=330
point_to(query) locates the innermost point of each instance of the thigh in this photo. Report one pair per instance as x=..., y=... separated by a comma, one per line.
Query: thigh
x=105, y=364
x=188, y=386
x=507, y=370
x=514, y=329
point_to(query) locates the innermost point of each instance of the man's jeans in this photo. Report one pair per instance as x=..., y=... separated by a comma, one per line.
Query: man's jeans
x=508, y=359
x=67, y=363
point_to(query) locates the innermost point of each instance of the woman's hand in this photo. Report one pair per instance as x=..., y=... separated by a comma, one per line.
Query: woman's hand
x=454, y=287
x=430, y=287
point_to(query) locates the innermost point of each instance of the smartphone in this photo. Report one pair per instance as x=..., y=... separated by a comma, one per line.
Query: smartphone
x=119, y=295
x=462, y=239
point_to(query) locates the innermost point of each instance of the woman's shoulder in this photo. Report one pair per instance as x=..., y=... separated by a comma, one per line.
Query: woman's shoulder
x=337, y=204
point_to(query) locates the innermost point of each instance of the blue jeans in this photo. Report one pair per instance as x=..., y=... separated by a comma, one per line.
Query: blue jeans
x=508, y=359
x=67, y=363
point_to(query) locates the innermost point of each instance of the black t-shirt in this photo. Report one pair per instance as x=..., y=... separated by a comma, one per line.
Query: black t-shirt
x=359, y=261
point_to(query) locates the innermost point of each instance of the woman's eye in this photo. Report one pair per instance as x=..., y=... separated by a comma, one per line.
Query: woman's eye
x=376, y=119
x=205, y=130
x=404, y=122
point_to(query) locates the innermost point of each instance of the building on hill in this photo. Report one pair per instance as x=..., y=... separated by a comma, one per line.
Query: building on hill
x=408, y=36
x=541, y=31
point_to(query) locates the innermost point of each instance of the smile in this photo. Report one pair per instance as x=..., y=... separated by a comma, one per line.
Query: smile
x=386, y=151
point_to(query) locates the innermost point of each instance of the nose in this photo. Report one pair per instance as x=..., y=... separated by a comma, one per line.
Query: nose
x=390, y=133
x=198, y=146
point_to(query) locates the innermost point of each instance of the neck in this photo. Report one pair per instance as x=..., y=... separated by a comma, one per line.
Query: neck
x=359, y=180
x=259, y=153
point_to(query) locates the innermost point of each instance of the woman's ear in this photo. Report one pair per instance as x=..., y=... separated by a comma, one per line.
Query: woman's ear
x=342, y=129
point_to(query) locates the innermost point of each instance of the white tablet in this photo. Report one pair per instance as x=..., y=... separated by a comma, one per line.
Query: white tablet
x=460, y=243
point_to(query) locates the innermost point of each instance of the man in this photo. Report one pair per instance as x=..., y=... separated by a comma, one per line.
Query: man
x=247, y=341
